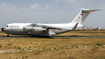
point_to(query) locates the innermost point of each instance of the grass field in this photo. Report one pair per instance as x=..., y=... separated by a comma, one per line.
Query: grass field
x=54, y=48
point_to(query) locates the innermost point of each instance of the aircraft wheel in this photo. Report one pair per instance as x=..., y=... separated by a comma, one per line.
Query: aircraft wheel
x=8, y=35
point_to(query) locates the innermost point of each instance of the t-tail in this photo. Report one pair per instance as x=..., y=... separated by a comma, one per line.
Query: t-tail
x=81, y=16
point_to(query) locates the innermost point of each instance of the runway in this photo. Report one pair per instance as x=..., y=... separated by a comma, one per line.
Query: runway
x=79, y=36
x=53, y=37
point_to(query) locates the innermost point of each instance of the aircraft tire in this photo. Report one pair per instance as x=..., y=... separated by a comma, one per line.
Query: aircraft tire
x=8, y=35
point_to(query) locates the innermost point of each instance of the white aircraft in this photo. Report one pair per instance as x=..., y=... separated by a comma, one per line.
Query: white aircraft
x=47, y=29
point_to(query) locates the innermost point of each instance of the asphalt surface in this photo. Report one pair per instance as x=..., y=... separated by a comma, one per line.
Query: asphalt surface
x=53, y=37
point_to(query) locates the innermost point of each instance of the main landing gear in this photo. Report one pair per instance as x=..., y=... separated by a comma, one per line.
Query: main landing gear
x=7, y=35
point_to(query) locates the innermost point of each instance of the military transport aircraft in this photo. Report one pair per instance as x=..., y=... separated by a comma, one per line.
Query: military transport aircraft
x=47, y=29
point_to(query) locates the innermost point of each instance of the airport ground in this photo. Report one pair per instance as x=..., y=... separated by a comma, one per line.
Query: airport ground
x=54, y=48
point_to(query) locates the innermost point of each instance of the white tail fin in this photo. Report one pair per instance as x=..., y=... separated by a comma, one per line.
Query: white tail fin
x=81, y=16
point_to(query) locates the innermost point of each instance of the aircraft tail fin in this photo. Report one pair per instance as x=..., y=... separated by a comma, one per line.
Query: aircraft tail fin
x=81, y=16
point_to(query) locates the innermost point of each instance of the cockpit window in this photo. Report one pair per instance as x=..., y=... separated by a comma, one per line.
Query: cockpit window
x=7, y=26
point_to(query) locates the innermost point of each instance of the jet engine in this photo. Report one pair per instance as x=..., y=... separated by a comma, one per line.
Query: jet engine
x=38, y=30
x=34, y=29
x=27, y=28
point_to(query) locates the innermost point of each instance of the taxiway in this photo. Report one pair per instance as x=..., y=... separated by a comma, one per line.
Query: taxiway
x=53, y=37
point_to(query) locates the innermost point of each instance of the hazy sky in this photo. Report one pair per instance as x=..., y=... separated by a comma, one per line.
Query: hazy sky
x=50, y=11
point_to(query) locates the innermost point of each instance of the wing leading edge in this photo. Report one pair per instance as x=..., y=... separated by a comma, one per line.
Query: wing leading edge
x=52, y=27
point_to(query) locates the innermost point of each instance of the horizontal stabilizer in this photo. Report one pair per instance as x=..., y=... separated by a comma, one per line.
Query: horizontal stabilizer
x=87, y=10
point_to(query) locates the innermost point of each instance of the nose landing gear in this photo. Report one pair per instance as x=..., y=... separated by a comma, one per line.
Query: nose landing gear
x=2, y=29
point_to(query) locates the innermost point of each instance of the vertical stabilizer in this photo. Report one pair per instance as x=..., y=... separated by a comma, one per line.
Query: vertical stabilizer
x=81, y=16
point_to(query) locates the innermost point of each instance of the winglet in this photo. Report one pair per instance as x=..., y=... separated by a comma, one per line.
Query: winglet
x=74, y=28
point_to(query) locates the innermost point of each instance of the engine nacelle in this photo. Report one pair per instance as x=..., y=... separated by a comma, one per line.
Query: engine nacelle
x=38, y=30
x=27, y=28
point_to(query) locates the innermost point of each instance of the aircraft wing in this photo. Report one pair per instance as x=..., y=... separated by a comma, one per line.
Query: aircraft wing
x=53, y=27
x=46, y=26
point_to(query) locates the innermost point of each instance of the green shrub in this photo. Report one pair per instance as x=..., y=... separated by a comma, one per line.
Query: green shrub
x=29, y=47
x=26, y=57
x=22, y=49
x=99, y=44
x=22, y=57
x=9, y=44
x=19, y=47
x=62, y=47
x=72, y=46
x=55, y=48
x=76, y=46
x=0, y=46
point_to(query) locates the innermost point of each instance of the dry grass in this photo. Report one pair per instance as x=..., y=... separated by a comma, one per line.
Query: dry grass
x=84, y=33
x=52, y=48
x=48, y=48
